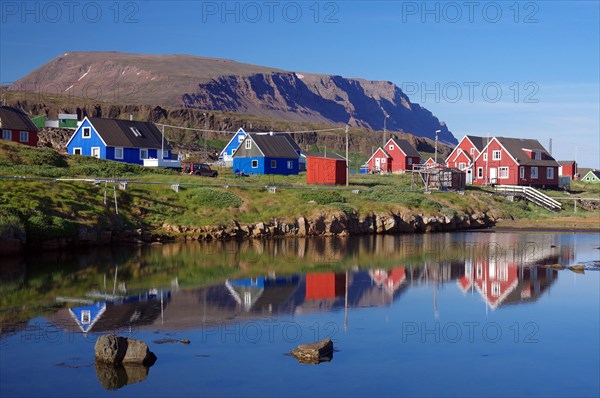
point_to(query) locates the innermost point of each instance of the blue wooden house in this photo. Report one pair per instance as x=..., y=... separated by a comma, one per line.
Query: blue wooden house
x=126, y=141
x=266, y=153
x=226, y=154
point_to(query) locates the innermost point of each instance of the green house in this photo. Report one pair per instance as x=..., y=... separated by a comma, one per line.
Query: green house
x=67, y=121
x=593, y=176
x=39, y=121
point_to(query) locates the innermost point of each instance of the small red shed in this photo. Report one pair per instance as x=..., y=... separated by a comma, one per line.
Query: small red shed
x=327, y=285
x=325, y=168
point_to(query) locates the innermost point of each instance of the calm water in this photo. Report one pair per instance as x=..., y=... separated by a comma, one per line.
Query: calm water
x=463, y=314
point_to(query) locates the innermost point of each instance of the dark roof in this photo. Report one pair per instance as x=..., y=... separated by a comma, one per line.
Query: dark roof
x=291, y=140
x=325, y=155
x=406, y=147
x=274, y=146
x=515, y=147
x=15, y=119
x=479, y=142
x=594, y=172
x=118, y=133
x=565, y=162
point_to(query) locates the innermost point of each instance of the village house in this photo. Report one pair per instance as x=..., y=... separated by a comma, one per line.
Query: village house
x=397, y=156
x=226, y=154
x=126, y=141
x=515, y=161
x=464, y=154
x=567, y=168
x=592, y=176
x=266, y=153
x=17, y=126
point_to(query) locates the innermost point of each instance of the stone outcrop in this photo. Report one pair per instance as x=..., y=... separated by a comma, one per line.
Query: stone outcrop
x=115, y=350
x=314, y=353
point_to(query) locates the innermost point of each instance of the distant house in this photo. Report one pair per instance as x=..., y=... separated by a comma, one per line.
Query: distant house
x=266, y=153
x=226, y=154
x=67, y=121
x=325, y=168
x=464, y=154
x=515, y=161
x=592, y=176
x=17, y=126
x=120, y=140
x=379, y=162
x=403, y=154
x=429, y=162
x=567, y=168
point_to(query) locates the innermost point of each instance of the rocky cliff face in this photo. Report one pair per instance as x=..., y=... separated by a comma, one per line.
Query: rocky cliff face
x=223, y=85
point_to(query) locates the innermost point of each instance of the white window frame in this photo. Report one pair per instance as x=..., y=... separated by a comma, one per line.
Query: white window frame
x=75, y=150
x=142, y=151
x=485, y=157
x=86, y=317
x=165, y=154
x=254, y=164
x=462, y=166
x=534, y=176
x=522, y=172
x=495, y=289
x=409, y=161
x=537, y=155
x=472, y=151
x=503, y=172
x=391, y=147
x=480, y=172
x=273, y=164
x=92, y=152
x=122, y=153
x=497, y=155
x=290, y=164
x=86, y=132
x=549, y=173
x=382, y=161
x=248, y=144
x=241, y=138
x=23, y=134
x=7, y=135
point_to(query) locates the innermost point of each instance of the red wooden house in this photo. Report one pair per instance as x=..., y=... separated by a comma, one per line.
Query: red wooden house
x=325, y=168
x=567, y=168
x=396, y=156
x=326, y=285
x=464, y=154
x=429, y=162
x=515, y=161
x=380, y=162
x=17, y=126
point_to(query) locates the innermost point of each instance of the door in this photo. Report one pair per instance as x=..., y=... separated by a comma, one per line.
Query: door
x=96, y=152
x=493, y=175
x=377, y=164
x=469, y=176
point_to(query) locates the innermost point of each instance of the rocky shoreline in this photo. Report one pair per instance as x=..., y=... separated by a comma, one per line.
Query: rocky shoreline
x=329, y=224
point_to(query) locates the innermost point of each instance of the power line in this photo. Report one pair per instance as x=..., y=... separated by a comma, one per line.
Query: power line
x=229, y=132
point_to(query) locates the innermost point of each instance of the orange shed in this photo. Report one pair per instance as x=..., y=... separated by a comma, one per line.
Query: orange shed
x=325, y=168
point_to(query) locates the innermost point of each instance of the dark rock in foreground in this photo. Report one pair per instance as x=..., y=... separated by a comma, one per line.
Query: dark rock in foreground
x=314, y=353
x=117, y=350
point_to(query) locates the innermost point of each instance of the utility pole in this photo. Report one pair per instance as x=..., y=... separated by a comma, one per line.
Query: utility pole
x=385, y=117
x=162, y=144
x=347, y=160
x=205, y=132
x=436, y=141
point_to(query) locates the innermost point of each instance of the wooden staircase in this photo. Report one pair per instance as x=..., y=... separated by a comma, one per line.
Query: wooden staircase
x=530, y=194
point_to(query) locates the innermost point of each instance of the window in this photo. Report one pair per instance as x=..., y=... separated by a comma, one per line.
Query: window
x=254, y=164
x=503, y=172
x=495, y=289
x=86, y=132
x=118, y=153
x=550, y=173
x=391, y=147
x=485, y=157
x=534, y=173
x=462, y=166
x=522, y=172
x=135, y=131
x=76, y=151
x=503, y=272
x=410, y=161
x=496, y=155
x=382, y=160
x=479, y=271
x=96, y=152
x=241, y=138
x=24, y=136
x=7, y=135
x=480, y=172
x=538, y=155
x=248, y=144
x=143, y=154
x=85, y=317
x=166, y=154
x=472, y=151
x=273, y=164
x=290, y=165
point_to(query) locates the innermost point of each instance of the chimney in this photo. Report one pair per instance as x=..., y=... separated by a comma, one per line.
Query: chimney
x=130, y=116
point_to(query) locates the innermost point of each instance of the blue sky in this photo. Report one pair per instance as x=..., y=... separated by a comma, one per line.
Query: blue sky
x=527, y=69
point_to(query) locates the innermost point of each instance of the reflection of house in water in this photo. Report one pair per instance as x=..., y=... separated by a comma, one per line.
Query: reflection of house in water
x=262, y=293
x=115, y=312
x=501, y=282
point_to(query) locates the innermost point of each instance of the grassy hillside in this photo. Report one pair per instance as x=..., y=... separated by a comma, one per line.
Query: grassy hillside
x=45, y=208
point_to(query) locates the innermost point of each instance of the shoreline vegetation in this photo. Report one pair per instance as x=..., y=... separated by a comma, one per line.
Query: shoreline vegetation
x=39, y=211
